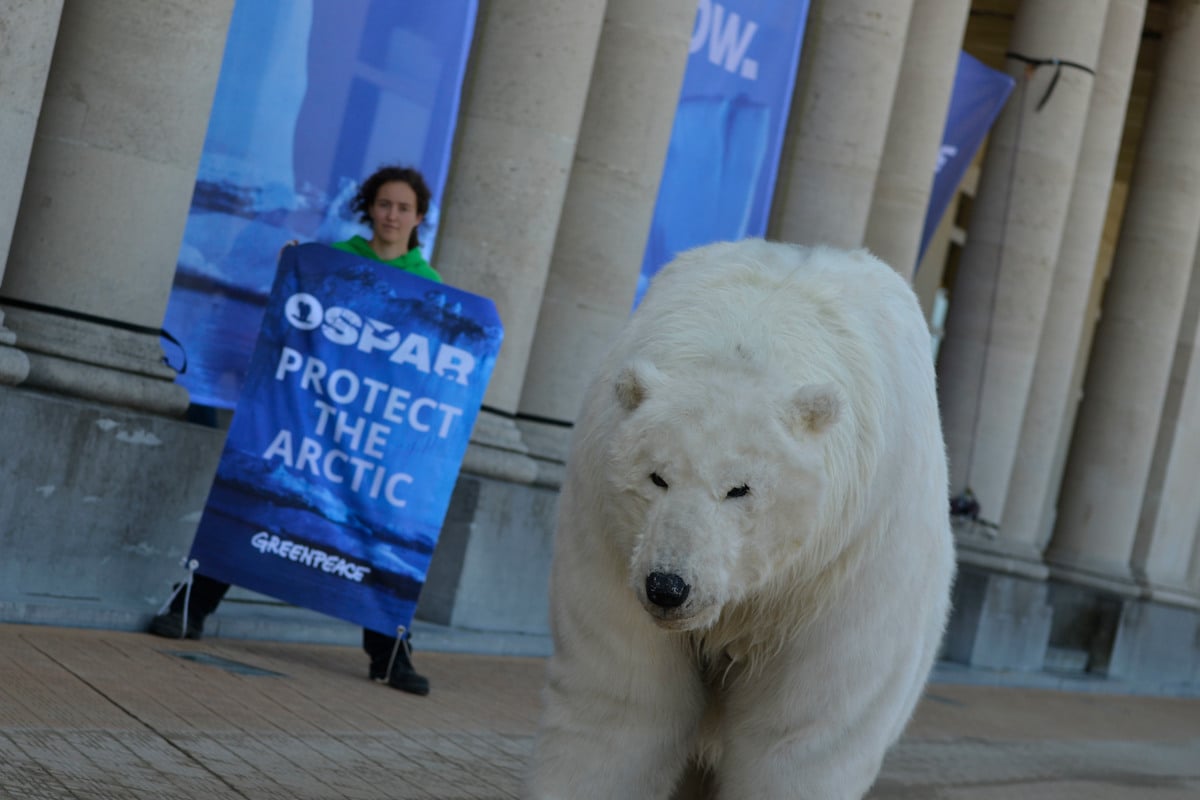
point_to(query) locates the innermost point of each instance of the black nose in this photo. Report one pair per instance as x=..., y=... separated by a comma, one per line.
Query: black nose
x=666, y=590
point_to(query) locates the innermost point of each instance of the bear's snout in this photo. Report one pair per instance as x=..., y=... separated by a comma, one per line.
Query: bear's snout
x=666, y=590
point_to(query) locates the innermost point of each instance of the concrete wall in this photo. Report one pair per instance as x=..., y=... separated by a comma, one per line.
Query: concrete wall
x=71, y=471
x=492, y=564
x=100, y=503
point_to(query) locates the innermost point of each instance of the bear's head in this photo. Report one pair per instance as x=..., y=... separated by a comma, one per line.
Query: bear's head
x=719, y=480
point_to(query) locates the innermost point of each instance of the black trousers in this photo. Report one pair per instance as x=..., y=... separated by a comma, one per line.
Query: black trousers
x=207, y=593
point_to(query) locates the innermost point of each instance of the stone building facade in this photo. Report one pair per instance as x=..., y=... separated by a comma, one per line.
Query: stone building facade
x=1065, y=364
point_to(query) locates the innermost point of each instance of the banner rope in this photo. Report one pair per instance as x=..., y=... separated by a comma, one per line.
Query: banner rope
x=1058, y=63
x=186, y=587
x=401, y=641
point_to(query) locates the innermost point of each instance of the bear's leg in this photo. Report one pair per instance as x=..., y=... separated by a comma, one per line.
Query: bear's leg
x=778, y=747
x=620, y=719
x=785, y=772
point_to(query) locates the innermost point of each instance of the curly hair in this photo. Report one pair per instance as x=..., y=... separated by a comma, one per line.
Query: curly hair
x=364, y=198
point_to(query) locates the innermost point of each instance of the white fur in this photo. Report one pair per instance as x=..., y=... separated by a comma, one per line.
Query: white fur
x=817, y=599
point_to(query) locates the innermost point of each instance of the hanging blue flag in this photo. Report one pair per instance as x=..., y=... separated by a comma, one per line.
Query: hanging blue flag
x=978, y=95
x=313, y=97
x=352, y=424
x=727, y=137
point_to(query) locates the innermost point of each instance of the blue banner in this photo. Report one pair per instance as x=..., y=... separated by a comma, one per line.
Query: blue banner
x=721, y=164
x=313, y=96
x=352, y=424
x=978, y=95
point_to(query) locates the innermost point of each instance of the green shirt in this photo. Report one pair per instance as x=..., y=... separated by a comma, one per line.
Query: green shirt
x=412, y=261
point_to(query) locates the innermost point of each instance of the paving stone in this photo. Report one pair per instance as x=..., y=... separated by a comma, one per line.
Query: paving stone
x=94, y=715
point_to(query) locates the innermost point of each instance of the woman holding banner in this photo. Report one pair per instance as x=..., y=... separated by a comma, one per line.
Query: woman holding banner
x=393, y=201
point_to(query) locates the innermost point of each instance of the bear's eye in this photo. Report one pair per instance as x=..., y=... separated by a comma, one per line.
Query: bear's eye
x=738, y=491
x=658, y=480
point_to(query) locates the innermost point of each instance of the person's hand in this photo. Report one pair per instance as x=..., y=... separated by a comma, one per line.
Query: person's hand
x=286, y=245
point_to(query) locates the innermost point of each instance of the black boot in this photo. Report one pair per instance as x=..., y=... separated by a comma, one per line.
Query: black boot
x=201, y=599
x=170, y=623
x=171, y=626
x=403, y=676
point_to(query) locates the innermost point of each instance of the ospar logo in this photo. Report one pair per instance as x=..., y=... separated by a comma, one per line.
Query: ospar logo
x=728, y=37
x=346, y=327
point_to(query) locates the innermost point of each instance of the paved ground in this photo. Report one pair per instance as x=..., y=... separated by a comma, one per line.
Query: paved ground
x=90, y=714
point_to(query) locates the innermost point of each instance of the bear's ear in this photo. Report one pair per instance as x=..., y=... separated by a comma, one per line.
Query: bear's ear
x=814, y=408
x=634, y=383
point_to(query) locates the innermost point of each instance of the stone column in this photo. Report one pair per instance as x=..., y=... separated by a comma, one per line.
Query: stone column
x=1032, y=490
x=608, y=207
x=848, y=70
x=26, y=43
x=1194, y=566
x=517, y=131
x=915, y=128
x=999, y=299
x=1170, y=515
x=106, y=196
x=517, y=134
x=1128, y=374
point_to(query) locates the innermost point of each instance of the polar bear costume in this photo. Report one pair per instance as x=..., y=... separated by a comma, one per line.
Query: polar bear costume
x=753, y=558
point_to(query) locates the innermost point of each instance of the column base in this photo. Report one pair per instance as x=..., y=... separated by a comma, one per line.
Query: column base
x=999, y=621
x=1170, y=594
x=497, y=451
x=1136, y=642
x=1085, y=625
x=63, y=376
x=98, y=505
x=14, y=365
x=984, y=546
x=1104, y=576
x=1172, y=590
x=1156, y=645
x=94, y=361
x=549, y=444
x=491, y=568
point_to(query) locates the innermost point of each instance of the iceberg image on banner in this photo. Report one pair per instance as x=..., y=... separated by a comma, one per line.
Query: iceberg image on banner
x=711, y=173
x=313, y=96
x=726, y=140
